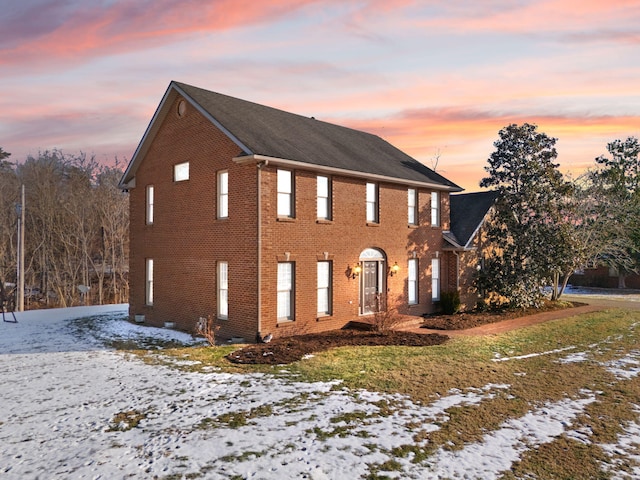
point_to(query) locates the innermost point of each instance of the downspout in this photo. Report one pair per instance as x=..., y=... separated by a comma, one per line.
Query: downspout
x=455, y=252
x=259, y=259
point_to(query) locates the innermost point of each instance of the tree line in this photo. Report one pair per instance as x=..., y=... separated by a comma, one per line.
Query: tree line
x=76, y=229
x=545, y=226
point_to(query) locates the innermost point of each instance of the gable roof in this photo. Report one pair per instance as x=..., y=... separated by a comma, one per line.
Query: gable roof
x=467, y=213
x=263, y=132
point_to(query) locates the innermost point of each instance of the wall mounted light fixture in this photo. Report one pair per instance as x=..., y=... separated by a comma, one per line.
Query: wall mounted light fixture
x=394, y=269
x=355, y=271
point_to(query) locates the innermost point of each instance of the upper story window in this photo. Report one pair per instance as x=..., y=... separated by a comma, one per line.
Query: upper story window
x=150, y=193
x=435, y=209
x=181, y=172
x=372, y=203
x=323, y=197
x=412, y=206
x=223, y=194
x=285, y=193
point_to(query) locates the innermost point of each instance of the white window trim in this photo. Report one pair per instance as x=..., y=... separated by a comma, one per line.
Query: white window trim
x=435, y=279
x=323, y=198
x=149, y=203
x=324, y=287
x=285, y=203
x=223, y=290
x=288, y=289
x=181, y=172
x=372, y=207
x=148, y=294
x=223, y=194
x=435, y=209
x=412, y=281
x=412, y=206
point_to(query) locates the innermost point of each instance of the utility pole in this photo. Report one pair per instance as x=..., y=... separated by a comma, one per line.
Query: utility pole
x=20, y=210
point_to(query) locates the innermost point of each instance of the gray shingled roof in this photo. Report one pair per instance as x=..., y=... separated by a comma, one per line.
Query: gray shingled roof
x=468, y=211
x=275, y=133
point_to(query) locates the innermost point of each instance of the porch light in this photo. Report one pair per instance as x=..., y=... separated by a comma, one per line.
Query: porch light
x=355, y=271
x=394, y=269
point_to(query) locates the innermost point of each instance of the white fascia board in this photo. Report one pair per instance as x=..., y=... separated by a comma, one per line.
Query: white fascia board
x=126, y=181
x=283, y=162
x=208, y=116
x=475, y=232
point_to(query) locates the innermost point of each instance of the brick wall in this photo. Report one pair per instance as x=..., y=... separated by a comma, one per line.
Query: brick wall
x=186, y=239
x=343, y=239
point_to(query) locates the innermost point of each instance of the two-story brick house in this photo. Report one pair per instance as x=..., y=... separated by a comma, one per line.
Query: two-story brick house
x=277, y=223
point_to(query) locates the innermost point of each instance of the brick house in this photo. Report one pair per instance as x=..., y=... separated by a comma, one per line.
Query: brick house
x=278, y=223
x=466, y=241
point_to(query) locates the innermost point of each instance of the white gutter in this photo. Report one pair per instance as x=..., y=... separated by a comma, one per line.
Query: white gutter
x=247, y=159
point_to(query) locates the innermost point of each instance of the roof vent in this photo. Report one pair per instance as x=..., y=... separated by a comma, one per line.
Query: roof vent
x=182, y=108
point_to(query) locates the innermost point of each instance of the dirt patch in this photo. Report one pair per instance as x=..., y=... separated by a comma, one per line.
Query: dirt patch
x=463, y=321
x=291, y=349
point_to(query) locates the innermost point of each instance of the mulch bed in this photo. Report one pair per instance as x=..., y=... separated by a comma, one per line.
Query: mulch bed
x=462, y=321
x=291, y=349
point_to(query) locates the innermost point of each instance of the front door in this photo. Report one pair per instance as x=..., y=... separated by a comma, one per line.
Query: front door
x=370, y=287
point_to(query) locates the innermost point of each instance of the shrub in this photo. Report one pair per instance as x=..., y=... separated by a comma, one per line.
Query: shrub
x=206, y=327
x=450, y=302
x=385, y=319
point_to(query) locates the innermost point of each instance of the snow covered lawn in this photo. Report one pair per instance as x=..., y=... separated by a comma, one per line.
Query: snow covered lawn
x=73, y=408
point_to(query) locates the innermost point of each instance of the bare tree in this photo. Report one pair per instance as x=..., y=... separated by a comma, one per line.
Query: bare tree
x=77, y=228
x=9, y=186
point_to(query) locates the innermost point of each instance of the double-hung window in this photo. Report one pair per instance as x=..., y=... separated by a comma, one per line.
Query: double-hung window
x=223, y=194
x=324, y=288
x=149, y=282
x=372, y=203
x=285, y=291
x=223, y=290
x=285, y=193
x=435, y=209
x=412, y=282
x=150, y=194
x=181, y=172
x=435, y=279
x=412, y=206
x=323, y=197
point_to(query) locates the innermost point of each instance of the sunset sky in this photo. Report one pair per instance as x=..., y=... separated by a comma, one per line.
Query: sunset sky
x=435, y=78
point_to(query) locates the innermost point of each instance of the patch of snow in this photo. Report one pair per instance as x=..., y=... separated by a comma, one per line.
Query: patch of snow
x=575, y=358
x=500, y=449
x=498, y=358
x=626, y=367
x=626, y=452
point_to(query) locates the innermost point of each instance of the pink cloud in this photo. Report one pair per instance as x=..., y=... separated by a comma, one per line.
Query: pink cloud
x=61, y=30
x=569, y=19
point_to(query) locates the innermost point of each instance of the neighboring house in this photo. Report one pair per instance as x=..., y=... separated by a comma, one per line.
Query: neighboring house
x=465, y=240
x=276, y=223
x=604, y=277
